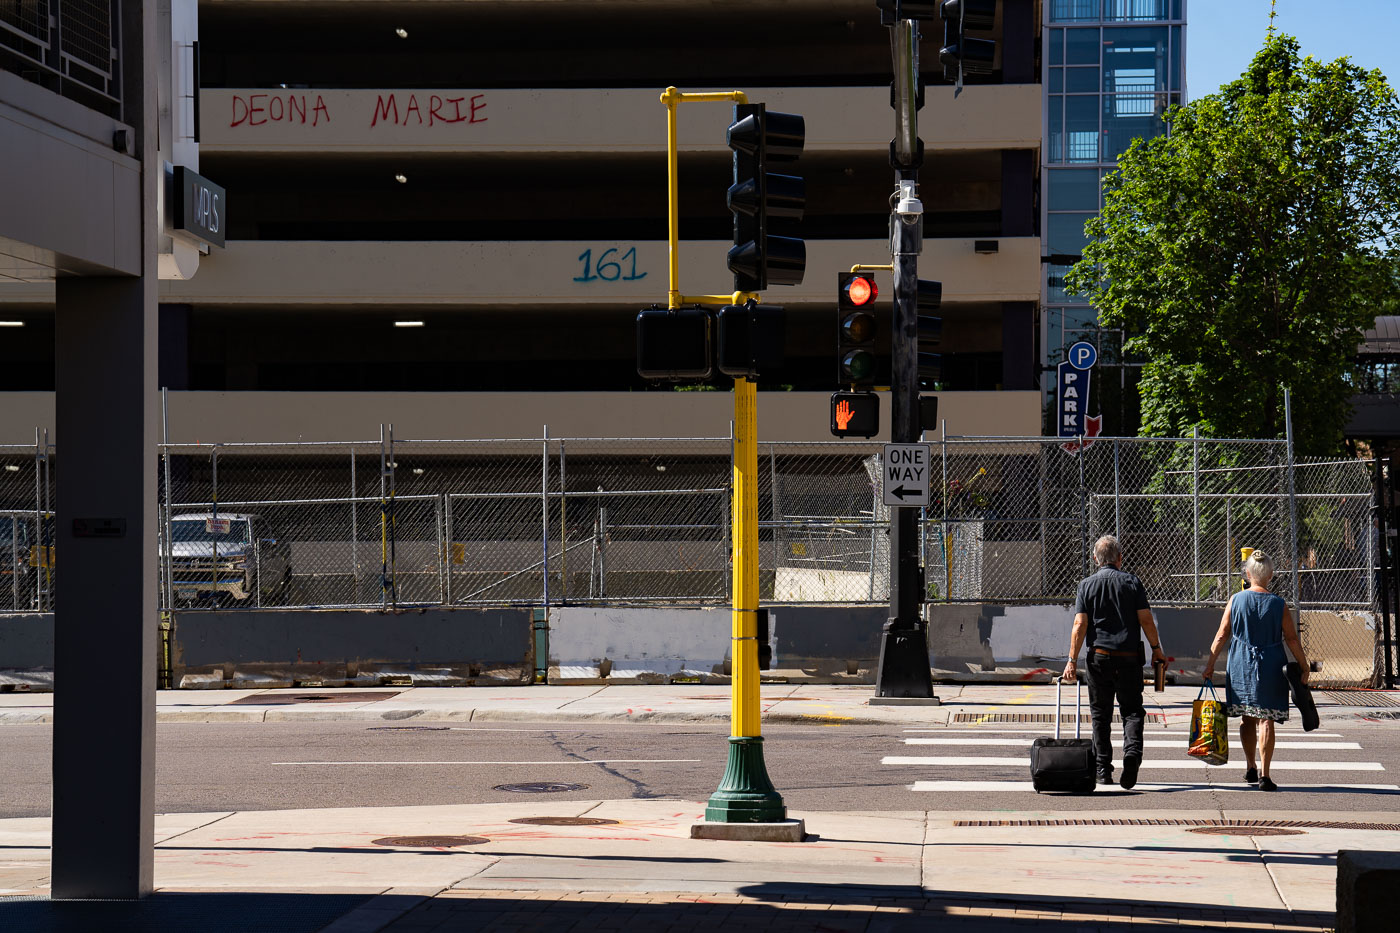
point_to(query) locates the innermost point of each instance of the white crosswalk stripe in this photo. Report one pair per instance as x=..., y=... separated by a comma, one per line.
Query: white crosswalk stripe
x=965, y=761
x=1025, y=786
x=982, y=759
x=1147, y=743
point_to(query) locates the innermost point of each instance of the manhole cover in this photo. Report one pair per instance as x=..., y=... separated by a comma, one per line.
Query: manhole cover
x=1245, y=831
x=541, y=787
x=431, y=842
x=564, y=821
x=286, y=699
x=409, y=728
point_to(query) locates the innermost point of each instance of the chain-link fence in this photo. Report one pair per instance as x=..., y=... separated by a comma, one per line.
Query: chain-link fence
x=27, y=568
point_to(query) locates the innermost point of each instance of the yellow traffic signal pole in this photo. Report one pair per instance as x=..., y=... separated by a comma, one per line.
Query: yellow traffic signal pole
x=745, y=794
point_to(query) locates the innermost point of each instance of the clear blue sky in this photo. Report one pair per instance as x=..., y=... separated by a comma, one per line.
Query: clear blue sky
x=1223, y=35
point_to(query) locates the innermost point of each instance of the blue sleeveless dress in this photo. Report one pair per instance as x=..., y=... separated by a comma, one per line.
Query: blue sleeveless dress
x=1256, y=683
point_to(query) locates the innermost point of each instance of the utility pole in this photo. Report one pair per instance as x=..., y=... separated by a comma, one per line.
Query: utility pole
x=903, y=669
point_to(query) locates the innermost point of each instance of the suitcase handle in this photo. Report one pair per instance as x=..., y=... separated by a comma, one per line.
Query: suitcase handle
x=1078, y=700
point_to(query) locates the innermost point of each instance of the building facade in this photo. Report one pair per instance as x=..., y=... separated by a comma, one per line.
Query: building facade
x=446, y=215
x=1110, y=69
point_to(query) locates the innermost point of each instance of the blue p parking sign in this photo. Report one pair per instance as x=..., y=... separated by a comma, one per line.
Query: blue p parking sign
x=1072, y=390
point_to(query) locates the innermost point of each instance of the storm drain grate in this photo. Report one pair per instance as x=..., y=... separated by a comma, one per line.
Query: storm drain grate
x=430, y=842
x=1234, y=824
x=541, y=787
x=1038, y=717
x=564, y=821
x=1363, y=697
x=1245, y=831
x=286, y=699
x=410, y=728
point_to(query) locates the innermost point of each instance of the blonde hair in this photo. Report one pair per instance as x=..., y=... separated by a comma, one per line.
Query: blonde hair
x=1259, y=569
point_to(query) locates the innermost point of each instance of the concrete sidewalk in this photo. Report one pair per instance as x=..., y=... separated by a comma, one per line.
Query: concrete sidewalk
x=782, y=703
x=636, y=866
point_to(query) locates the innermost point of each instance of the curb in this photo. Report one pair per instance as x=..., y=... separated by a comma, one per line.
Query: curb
x=477, y=715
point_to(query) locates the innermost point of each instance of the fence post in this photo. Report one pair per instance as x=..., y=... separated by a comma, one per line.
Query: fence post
x=442, y=548
x=544, y=511
x=563, y=527
x=1382, y=535
x=1390, y=629
x=448, y=526
x=166, y=565
x=214, y=513
x=945, y=540
x=354, y=533
x=1229, y=549
x=1292, y=507
x=39, y=552
x=1117, y=513
x=1196, y=513
x=1083, y=513
x=383, y=523
x=779, y=534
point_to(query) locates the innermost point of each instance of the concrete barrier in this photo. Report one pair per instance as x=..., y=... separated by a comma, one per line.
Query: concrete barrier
x=1366, y=884
x=432, y=647
x=26, y=651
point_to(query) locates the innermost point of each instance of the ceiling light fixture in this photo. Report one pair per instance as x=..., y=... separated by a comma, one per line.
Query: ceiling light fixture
x=408, y=323
x=401, y=32
x=401, y=179
x=11, y=323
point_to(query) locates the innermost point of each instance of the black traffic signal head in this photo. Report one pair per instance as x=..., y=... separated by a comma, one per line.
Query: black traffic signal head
x=930, y=333
x=675, y=344
x=856, y=329
x=757, y=258
x=962, y=54
x=750, y=339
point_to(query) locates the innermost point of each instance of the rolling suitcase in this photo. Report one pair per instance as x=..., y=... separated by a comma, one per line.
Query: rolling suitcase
x=1064, y=764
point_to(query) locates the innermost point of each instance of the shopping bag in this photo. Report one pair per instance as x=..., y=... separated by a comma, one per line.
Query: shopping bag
x=1210, y=733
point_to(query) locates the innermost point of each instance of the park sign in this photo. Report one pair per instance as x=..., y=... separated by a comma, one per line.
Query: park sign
x=1072, y=389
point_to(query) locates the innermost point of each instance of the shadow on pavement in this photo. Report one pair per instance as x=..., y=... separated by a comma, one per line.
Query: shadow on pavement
x=241, y=912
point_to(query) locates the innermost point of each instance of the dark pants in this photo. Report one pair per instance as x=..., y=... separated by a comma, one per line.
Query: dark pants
x=1121, y=677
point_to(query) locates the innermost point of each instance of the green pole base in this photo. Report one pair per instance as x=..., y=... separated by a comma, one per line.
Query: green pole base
x=745, y=793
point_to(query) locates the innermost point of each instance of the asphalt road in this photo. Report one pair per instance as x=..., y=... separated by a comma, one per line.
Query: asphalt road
x=258, y=766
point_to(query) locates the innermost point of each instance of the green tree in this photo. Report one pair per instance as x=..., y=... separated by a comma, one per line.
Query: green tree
x=1247, y=249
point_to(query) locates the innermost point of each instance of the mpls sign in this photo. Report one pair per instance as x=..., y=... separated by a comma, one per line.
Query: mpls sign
x=1072, y=396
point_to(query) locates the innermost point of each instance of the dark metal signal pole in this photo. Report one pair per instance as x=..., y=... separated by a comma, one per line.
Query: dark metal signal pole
x=904, y=665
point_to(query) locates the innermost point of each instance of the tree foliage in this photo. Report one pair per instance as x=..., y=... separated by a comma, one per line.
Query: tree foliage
x=1248, y=249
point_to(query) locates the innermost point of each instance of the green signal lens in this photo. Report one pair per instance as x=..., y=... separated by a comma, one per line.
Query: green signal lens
x=858, y=365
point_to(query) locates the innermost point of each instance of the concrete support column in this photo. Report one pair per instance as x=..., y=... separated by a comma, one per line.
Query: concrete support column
x=1018, y=358
x=174, y=367
x=107, y=422
x=1018, y=204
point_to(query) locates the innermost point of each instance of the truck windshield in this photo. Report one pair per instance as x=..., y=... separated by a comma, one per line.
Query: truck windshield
x=195, y=530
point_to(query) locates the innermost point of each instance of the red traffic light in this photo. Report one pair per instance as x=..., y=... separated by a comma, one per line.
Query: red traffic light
x=861, y=291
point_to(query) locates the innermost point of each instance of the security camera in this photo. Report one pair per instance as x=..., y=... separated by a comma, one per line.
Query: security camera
x=909, y=207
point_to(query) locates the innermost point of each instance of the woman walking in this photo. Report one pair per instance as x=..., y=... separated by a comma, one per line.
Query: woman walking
x=1256, y=624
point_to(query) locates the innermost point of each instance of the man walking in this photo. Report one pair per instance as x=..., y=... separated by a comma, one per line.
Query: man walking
x=1111, y=611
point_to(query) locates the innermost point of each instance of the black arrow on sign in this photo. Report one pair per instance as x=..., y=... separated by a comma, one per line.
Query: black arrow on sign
x=902, y=492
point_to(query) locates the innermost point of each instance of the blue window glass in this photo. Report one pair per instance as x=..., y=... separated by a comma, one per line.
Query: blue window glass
x=1073, y=189
x=1081, y=129
x=1065, y=234
x=1055, y=43
x=1135, y=59
x=1136, y=10
x=1128, y=116
x=1082, y=80
x=1074, y=11
x=1056, y=114
x=1057, y=80
x=1082, y=46
x=1176, y=58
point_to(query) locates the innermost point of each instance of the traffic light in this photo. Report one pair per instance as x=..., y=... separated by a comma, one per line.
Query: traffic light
x=960, y=54
x=855, y=329
x=750, y=339
x=757, y=258
x=930, y=333
x=855, y=414
x=675, y=344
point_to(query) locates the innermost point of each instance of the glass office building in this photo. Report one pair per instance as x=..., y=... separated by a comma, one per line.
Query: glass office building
x=1111, y=69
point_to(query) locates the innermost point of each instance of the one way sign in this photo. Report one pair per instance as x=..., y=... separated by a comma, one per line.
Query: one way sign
x=905, y=474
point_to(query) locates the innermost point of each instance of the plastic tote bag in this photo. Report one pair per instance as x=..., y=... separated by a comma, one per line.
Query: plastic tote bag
x=1210, y=732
